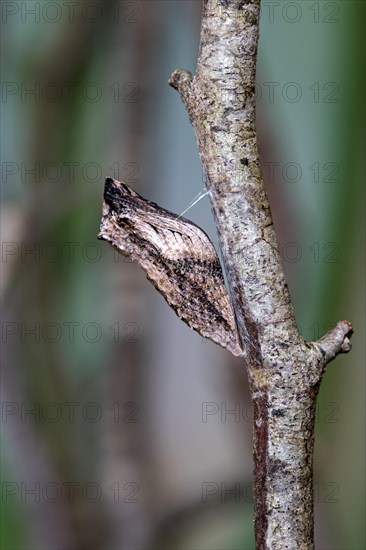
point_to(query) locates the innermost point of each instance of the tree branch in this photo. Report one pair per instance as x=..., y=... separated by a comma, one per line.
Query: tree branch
x=284, y=370
x=336, y=341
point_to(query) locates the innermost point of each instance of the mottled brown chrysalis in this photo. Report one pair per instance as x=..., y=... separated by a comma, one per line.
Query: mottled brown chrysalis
x=178, y=258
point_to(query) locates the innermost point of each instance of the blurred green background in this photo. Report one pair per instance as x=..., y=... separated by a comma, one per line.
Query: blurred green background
x=120, y=427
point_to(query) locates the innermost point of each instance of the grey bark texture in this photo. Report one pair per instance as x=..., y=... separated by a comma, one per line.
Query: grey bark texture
x=284, y=370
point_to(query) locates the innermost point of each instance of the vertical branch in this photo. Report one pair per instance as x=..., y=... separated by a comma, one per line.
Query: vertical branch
x=284, y=370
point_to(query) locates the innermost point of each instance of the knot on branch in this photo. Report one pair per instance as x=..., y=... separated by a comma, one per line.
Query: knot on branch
x=337, y=340
x=181, y=80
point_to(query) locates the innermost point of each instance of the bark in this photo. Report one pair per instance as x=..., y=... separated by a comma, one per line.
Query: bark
x=284, y=370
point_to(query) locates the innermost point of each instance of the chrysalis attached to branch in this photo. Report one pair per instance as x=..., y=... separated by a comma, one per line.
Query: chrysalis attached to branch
x=178, y=258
